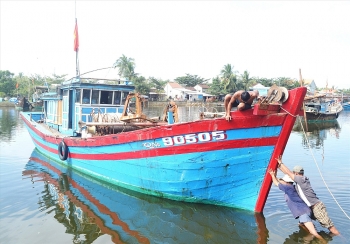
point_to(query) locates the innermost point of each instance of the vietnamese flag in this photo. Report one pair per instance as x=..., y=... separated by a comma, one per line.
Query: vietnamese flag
x=17, y=85
x=76, y=37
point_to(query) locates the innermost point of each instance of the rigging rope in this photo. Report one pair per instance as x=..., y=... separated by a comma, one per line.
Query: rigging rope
x=318, y=168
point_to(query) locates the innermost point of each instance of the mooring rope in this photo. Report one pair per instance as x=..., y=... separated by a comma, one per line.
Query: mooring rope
x=318, y=168
x=288, y=112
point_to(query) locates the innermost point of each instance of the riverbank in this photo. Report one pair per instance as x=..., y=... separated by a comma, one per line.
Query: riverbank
x=149, y=103
x=7, y=104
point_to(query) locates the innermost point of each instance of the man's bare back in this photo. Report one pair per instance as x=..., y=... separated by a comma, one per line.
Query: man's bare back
x=240, y=99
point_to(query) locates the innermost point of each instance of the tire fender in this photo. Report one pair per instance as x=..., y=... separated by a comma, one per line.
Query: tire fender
x=62, y=150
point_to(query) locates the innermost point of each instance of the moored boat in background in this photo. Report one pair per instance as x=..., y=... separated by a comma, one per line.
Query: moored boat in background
x=92, y=128
x=319, y=108
x=346, y=105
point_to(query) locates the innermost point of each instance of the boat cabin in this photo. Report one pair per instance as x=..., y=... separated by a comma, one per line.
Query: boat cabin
x=75, y=101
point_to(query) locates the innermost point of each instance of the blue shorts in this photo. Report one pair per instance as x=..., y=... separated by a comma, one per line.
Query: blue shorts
x=304, y=218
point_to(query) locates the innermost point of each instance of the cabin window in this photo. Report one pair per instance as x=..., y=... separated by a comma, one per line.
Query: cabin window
x=77, y=96
x=86, y=96
x=95, y=97
x=117, y=97
x=125, y=94
x=51, y=113
x=106, y=97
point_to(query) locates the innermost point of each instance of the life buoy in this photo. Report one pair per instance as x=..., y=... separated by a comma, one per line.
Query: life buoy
x=62, y=150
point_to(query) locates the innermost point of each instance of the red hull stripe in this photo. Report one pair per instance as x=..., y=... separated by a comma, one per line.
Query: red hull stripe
x=171, y=150
x=49, y=149
x=246, y=122
x=204, y=147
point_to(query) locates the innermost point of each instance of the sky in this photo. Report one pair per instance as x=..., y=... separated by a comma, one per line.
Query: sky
x=169, y=39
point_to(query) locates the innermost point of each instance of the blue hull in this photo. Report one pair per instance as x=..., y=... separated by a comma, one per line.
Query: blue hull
x=229, y=177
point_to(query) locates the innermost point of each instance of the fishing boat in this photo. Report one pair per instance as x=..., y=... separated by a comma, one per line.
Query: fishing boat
x=93, y=128
x=90, y=210
x=23, y=104
x=319, y=108
x=346, y=105
x=37, y=103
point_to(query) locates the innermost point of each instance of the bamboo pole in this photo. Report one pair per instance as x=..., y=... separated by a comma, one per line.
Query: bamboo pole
x=301, y=84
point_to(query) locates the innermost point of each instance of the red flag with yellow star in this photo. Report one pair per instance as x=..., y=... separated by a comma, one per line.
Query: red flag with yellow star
x=76, y=37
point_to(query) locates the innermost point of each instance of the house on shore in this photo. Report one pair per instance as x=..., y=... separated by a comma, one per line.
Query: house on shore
x=174, y=90
x=261, y=89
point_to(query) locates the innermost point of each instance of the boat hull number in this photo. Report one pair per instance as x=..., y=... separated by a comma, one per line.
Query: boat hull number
x=194, y=138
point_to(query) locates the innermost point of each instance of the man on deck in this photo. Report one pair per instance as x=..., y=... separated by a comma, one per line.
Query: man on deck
x=241, y=99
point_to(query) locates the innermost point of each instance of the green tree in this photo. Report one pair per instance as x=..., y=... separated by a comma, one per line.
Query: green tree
x=190, y=80
x=286, y=82
x=55, y=79
x=126, y=67
x=141, y=85
x=229, y=79
x=7, y=83
x=246, y=81
x=264, y=81
x=158, y=84
x=216, y=87
x=23, y=85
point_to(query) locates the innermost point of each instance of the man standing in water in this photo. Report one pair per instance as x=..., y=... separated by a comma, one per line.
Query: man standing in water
x=308, y=195
x=297, y=207
x=241, y=99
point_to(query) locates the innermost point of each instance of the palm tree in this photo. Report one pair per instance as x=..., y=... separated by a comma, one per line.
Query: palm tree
x=228, y=77
x=126, y=67
x=246, y=80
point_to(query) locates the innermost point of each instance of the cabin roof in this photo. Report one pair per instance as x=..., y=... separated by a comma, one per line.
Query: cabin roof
x=98, y=86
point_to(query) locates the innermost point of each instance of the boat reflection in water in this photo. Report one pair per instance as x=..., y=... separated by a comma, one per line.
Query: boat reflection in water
x=89, y=208
x=317, y=131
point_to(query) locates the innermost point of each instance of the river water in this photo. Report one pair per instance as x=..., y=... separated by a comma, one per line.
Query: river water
x=43, y=202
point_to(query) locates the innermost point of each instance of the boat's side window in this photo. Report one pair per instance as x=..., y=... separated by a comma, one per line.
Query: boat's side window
x=125, y=94
x=86, y=96
x=106, y=97
x=77, y=96
x=95, y=97
x=117, y=97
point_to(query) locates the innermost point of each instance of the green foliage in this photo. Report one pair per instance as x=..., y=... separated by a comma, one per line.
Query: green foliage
x=190, y=80
x=245, y=81
x=126, y=67
x=7, y=83
x=288, y=83
x=158, y=84
x=228, y=78
x=141, y=85
x=344, y=91
x=55, y=79
x=26, y=84
x=216, y=87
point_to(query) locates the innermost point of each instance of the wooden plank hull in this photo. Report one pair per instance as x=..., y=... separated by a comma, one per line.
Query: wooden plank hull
x=207, y=161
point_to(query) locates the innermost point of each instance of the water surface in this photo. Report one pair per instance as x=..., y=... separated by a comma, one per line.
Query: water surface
x=43, y=202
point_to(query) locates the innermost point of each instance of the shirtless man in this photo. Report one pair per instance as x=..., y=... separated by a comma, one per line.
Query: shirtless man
x=241, y=99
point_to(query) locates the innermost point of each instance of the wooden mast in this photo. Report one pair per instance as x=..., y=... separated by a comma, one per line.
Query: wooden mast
x=301, y=84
